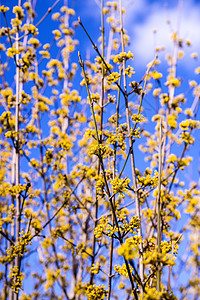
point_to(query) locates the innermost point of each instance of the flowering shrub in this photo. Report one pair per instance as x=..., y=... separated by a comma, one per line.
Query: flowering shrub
x=82, y=216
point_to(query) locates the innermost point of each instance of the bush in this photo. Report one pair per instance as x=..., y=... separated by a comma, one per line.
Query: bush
x=84, y=214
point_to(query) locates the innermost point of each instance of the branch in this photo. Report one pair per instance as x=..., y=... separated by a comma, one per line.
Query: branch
x=47, y=13
x=7, y=237
x=97, y=50
x=55, y=214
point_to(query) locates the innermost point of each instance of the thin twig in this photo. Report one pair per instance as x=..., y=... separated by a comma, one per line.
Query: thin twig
x=137, y=202
x=102, y=58
x=74, y=245
x=159, y=207
x=7, y=237
x=47, y=13
x=9, y=37
x=61, y=207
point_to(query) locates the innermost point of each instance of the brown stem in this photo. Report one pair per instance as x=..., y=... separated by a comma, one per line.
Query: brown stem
x=137, y=202
x=159, y=208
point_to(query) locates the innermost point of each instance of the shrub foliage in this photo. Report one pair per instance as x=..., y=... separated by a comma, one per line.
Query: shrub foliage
x=84, y=214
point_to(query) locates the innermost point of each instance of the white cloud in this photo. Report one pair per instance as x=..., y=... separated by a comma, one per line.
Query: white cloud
x=144, y=16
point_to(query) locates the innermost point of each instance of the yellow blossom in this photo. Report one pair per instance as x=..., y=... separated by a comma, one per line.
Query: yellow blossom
x=171, y=121
x=197, y=70
x=194, y=55
x=35, y=42
x=3, y=8
x=173, y=81
x=11, y=52
x=122, y=56
x=113, y=77
x=156, y=75
x=192, y=83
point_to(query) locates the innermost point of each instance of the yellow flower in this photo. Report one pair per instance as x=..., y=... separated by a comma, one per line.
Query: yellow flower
x=157, y=118
x=171, y=121
x=180, y=54
x=192, y=83
x=31, y=29
x=57, y=34
x=35, y=42
x=121, y=285
x=94, y=292
x=119, y=185
x=113, y=77
x=11, y=52
x=137, y=118
x=197, y=70
x=156, y=92
x=122, y=270
x=129, y=71
x=156, y=75
x=173, y=81
x=171, y=158
x=122, y=56
x=56, y=16
x=45, y=54
x=188, y=112
x=95, y=268
x=130, y=248
x=3, y=8
x=194, y=55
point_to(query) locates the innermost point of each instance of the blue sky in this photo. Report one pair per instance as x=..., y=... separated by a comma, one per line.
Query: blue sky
x=143, y=16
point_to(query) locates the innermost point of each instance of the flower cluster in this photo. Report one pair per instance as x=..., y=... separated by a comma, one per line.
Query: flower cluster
x=119, y=58
x=104, y=228
x=94, y=292
x=124, y=225
x=17, y=249
x=113, y=77
x=130, y=249
x=3, y=8
x=120, y=185
x=95, y=268
x=122, y=270
x=16, y=279
x=52, y=276
x=148, y=180
x=152, y=256
x=189, y=124
x=100, y=150
x=137, y=118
